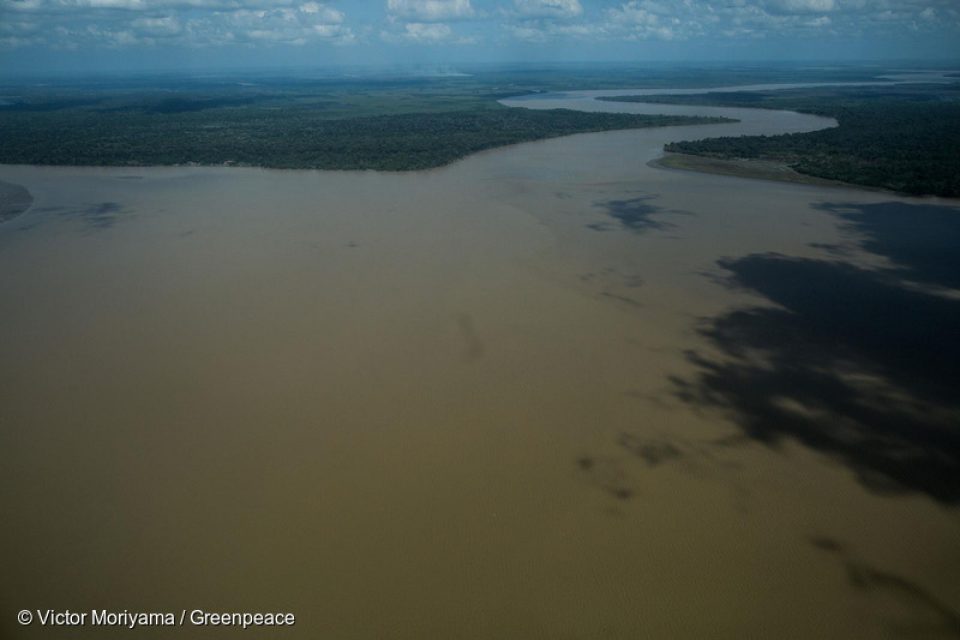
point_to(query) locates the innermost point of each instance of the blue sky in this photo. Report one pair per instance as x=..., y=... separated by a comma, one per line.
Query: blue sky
x=38, y=35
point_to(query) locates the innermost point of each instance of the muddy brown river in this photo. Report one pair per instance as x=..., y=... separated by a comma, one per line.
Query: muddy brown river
x=527, y=395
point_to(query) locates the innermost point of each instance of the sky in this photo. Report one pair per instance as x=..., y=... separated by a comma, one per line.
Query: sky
x=67, y=35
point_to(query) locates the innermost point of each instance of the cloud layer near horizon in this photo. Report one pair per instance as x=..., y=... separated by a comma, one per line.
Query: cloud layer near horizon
x=119, y=24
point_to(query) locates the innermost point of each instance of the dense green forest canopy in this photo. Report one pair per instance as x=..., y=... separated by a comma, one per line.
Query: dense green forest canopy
x=290, y=140
x=373, y=119
x=899, y=137
x=385, y=124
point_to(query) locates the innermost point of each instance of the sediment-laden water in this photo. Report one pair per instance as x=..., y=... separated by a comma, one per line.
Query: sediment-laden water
x=545, y=392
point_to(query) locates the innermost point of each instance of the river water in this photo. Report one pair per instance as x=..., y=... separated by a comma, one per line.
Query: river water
x=443, y=404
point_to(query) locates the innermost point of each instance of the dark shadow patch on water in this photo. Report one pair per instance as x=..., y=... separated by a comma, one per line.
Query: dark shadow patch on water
x=853, y=362
x=652, y=452
x=600, y=226
x=615, y=474
x=607, y=474
x=622, y=299
x=15, y=200
x=825, y=543
x=939, y=617
x=920, y=239
x=98, y=217
x=636, y=214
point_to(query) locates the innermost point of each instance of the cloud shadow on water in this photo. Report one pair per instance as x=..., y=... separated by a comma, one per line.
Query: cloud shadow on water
x=921, y=240
x=930, y=614
x=636, y=214
x=101, y=216
x=854, y=362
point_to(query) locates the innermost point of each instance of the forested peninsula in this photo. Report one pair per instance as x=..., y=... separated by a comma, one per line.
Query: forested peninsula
x=898, y=137
x=355, y=126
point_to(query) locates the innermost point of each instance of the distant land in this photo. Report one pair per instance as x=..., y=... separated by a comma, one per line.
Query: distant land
x=291, y=139
x=899, y=137
x=378, y=120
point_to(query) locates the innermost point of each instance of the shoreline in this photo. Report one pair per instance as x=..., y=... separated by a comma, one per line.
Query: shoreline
x=770, y=171
x=15, y=200
x=742, y=168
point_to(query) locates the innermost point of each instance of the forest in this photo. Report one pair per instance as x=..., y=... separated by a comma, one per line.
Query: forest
x=294, y=140
x=357, y=118
x=391, y=125
x=898, y=137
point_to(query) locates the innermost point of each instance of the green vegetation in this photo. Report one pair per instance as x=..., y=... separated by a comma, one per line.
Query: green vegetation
x=901, y=137
x=290, y=140
x=741, y=168
x=393, y=125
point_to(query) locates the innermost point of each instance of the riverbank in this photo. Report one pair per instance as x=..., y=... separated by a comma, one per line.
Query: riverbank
x=14, y=201
x=901, y=138
x=741, y=168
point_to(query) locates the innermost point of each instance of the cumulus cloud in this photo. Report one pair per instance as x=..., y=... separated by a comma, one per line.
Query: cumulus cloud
x=545, y=20
x=546, y=31
x=129, y=23
x=158, y=27
x=426, y=33
x=422, y=32
x=720, y=19
x=548, y=8
x=121, y=23
x=297, y=26
x=420, y=11
x=649, y=19
x=822, y=21
x=426, y=21
x=801, y=6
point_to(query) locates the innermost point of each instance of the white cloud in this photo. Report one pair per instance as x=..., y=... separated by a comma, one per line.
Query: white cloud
x=101, y=24
x=61, y=7
x=129, y=23
x=158, y=27
x=633, y=13
x=822, y=21
x=548, y=8
x=545, y=31
x=420, y=11
x=300, y=25
x=801, y=6
x=526, y=33
x=426, y=33
x=652, y=20
x=422, y=32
